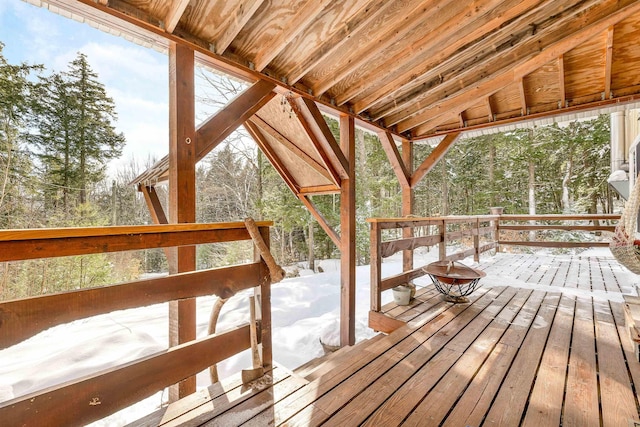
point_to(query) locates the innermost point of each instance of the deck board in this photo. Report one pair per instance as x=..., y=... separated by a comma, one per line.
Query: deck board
x=541, y=343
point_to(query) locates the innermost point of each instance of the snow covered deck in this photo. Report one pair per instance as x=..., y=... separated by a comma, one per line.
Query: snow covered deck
x=542, y=342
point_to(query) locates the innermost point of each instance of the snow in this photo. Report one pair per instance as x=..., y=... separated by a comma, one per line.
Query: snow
x=305, y=311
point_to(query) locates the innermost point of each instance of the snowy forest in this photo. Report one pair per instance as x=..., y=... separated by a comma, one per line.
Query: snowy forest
x=58, y=135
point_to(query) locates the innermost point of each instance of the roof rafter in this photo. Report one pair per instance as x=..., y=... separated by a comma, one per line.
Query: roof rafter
x=403, y=77
x=347, y=31
x=563, y=92
x=508, y=45
x=419, y=12
x=237, y=20
x=176, y=10
x=297, y=24
x=316, y=127
x=608, y=63
x=592, y=22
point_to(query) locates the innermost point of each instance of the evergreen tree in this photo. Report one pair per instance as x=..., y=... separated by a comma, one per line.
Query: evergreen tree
x=75, y=136
x=15, y=92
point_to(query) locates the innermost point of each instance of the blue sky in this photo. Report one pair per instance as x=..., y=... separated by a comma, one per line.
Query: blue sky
x=135, y=77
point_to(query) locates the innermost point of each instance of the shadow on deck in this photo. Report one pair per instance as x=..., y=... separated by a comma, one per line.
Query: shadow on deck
x=542, y=342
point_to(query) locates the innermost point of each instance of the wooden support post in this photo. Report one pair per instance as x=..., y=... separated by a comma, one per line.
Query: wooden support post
x=376, y=266
x=348, y=235
x=442, y=246
x=263, y=306
x=407, y=202
x=182, y=193
x=476, y=240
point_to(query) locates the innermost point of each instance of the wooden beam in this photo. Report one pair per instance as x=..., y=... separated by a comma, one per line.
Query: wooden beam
x=608, y=64
x=291, y=146
x=215, y=129
x=81, y=401
x=522, y=45
x=599, y=19
x=335, y=237
x=489, y=109
x=267, y=150
x=243, y=11
x=348, y=235
x=26, y=317
x=93, y=240
x=296, y=25
x=397, y=163
x=563, y=91
x=433, y=158
x=411, y=17
x=176, y=10
x=362, y=20
x=323, y=140
x=153, y=204
x=318, y=190
x=408, y=201
x=523, y=97
x=443, y=47
x=182, y=193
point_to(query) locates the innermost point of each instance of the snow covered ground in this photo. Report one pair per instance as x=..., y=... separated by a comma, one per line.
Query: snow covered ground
x=304, y=310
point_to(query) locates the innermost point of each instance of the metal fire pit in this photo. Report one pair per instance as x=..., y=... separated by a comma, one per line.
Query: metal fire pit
x=454, y=280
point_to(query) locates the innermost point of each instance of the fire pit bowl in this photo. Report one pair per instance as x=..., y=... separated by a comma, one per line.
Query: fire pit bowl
x=454, y=280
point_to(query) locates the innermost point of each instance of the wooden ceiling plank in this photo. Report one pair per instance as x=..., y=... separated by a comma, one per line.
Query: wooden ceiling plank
x=176, y=10
x=523, y=96
x=591, y=24
x=333, y=235
x=392, y=35
x=316, y=127
x=447, y=27
x=391, y=150
x=290, y=145
x=608, y=63
x=306, y=14
x=348, y=30
x=442, y=51
x=563, y=92
x=262, y=142
x=244, y=10
x=488, y=58
x=433, y=158
x=215, y=129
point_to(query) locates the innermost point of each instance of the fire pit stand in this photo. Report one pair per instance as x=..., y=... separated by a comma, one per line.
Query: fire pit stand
x=454, y=280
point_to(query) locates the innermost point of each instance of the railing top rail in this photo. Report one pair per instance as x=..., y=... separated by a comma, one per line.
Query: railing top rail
x=434, y=218
x=559, y=217
x=70, y=232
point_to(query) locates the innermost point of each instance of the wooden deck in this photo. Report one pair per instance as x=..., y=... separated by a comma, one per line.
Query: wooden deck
x=542, y=343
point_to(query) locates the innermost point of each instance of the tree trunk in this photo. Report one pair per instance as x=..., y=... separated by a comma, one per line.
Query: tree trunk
x=445, y=189
x=566, y=199
x=311, y=243
x=532, y=196
x=492, y=172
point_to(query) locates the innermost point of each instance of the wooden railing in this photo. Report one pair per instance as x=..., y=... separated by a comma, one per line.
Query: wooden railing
x=95, y=396
x=527, y=224
x=481, y=233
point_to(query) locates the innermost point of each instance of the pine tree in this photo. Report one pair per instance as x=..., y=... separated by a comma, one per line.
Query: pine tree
x=75, y=136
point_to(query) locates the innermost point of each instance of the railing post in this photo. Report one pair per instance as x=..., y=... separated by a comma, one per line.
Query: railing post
x=442, y=247
x=376, y=265
x=263, y=304
x=476, y=240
